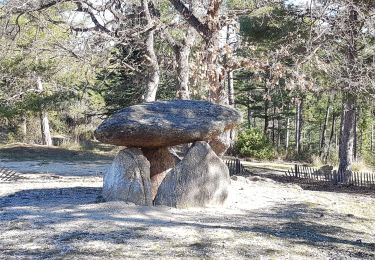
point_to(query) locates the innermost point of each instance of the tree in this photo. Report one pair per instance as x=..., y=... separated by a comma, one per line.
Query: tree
x=35, y=77
x=44, y=121
x=210, y=27
x=273, y=37
x=100, y=26
x=339, y=45
x=154, y=71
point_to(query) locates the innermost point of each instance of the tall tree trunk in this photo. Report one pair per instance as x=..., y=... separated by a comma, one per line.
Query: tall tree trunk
x=154, y=70
x=336, y=139
x=360, y=141
x=309, y=143
x=230, y=88
x=249, y=112
x=347, y=127
x=333, y=126
x=273, y=125
x=266, y=118
x=230, y=72
x=348, y=122
x=278, y=133
x=266, y=115
x=210, y=31
x=23, y=127
x=215, y=71
x=355, y=142
x=183, y=69
x=324, y=129
x=249, y=117
x=372, y=137
x=299, y=123
x=44, y=122
x=287, y=134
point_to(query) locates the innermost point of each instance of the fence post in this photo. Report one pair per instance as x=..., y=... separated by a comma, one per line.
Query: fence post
x=335, y=177
x=238, y=165
x=296, y=170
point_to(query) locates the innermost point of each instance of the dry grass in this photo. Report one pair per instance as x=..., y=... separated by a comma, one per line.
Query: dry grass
x=275, y=166
x=361, y=166
x=19, y=151
x=316, y=161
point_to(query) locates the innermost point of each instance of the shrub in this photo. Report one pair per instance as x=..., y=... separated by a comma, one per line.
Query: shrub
x=333, y=158
x=253, y=143
x=369, y=158
x=316, y=161
x=303, y=156
x=361, y=166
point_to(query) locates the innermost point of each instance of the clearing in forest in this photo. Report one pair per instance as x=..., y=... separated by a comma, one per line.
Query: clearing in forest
x=54, y=212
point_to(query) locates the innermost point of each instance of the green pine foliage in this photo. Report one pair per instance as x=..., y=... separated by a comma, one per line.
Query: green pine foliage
x=253, y=143
x=121, y=87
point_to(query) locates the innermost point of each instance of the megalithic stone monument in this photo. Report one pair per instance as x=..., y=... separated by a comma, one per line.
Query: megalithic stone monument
x=146, y=171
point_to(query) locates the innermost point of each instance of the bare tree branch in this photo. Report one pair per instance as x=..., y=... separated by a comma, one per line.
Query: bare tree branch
x=199, y=26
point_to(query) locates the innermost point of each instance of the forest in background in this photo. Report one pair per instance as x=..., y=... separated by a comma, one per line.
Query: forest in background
x=303, y=75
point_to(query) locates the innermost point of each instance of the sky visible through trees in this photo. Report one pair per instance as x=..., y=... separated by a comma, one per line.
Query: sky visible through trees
x=301, y=73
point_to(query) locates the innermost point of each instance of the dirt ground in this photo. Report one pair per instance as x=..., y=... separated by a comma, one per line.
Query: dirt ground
x=54, y=213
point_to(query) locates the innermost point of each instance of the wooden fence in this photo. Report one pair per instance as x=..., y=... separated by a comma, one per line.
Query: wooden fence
x=311, y=175
x=236, y=167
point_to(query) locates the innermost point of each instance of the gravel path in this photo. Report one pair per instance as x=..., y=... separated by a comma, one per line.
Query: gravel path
x=55, y=214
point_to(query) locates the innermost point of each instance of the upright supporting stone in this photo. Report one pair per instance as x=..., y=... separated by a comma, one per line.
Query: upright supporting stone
x=128, y=179
x=221, y=143
x=200, y=179
x=161, y=162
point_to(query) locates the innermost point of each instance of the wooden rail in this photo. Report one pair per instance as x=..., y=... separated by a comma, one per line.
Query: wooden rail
x=312, y=175
x=236, y=167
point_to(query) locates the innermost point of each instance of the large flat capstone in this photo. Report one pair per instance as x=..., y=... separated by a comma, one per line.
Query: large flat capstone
x=167, y=123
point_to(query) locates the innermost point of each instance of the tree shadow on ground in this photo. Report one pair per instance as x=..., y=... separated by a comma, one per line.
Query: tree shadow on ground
x=51, y=197
x=292, y=223
x=24, y=152
x=53, y=170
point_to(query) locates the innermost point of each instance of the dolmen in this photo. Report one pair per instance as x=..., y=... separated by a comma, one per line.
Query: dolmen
x=148, y=172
